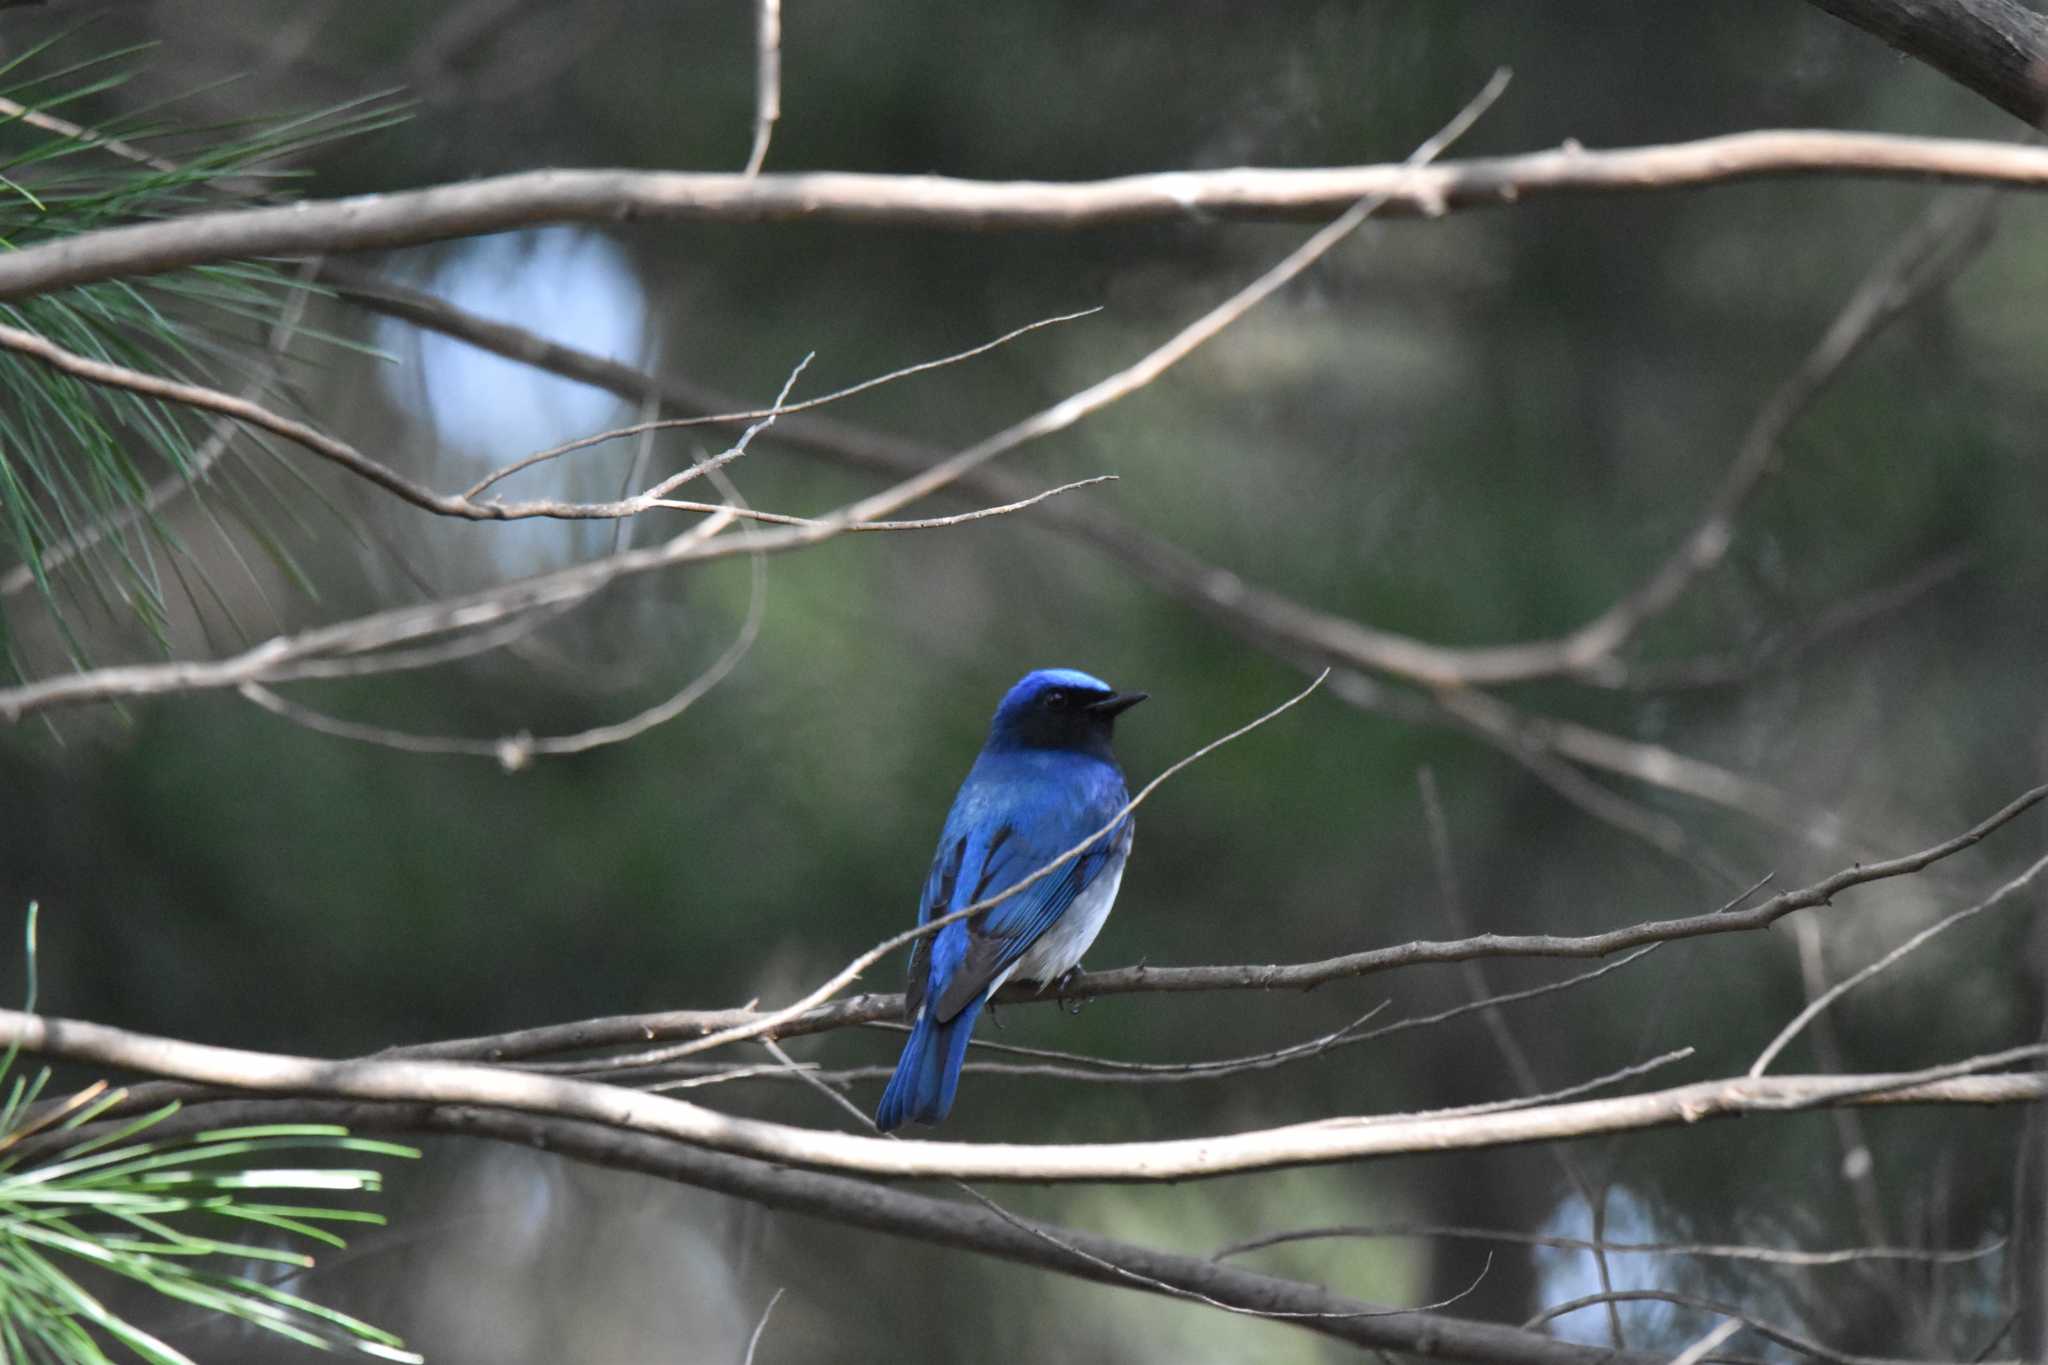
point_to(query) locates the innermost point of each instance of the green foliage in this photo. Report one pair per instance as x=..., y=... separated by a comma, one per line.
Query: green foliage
x=169, y=1215
x=78, y=460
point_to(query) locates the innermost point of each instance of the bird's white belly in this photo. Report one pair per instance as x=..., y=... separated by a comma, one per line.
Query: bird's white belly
x=1060, y=948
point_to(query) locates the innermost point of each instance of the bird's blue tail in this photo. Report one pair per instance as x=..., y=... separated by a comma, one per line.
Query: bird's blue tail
x=929, y=1070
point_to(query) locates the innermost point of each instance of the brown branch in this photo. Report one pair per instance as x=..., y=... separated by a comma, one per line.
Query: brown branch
x=1716, y=1251
x=415, y=217
x=69, y=548
x=1109, y=1070
x=1328, y=1141
x=1998, y=48
x=1848, y=983
x=405, y=625
x=284, y=657
x=767, y=85
x=782, y=408
x=1268, y=620
x=928, y=1222
x=1945, y=240
x=465, y=505
x=639, y=1029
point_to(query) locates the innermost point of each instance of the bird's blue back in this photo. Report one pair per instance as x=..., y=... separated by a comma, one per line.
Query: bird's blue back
x=1017, y=811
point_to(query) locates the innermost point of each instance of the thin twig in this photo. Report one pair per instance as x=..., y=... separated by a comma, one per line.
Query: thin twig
x=1123, y=1273
x=581, y=580
x=1718, y=1251
x=1704, y=1347
x=514, y=752
x=460, y=506
x=782, y=408
x=282, y=657
x=1855, y=979
x=1938, y=246
x=637, y=1029
x=754, y=1341
x=1780, y=1335
x=767, y=80
x=1510, y=1047
x=167, y=490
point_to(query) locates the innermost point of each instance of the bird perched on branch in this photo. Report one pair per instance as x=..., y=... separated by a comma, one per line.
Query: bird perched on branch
x=1044, y=782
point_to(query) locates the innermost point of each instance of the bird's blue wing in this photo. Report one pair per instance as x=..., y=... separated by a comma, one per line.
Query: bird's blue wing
x=1004, y=828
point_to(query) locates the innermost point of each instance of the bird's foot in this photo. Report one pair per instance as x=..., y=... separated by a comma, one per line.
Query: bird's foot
x=993, y=1018
x=1062, y=985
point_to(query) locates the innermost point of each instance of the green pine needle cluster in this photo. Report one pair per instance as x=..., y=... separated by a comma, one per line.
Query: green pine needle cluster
x=84, y=468
x=193, y=1219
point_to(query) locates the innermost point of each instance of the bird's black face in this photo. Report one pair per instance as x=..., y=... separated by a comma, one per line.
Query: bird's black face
x=1063, y=716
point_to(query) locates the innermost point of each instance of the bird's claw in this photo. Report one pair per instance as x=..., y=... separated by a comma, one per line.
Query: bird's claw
x=1065, y=982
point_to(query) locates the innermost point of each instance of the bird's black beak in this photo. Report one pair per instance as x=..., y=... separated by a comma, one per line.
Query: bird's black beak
x=1116, y=703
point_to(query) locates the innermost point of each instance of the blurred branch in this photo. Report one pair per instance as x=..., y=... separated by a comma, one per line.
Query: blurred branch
x=781, y=408
x=931, y=1222
x=384, y=629
x=767, y=80
x=754, y=1341
x=1286, y=627
x=1998, y=48
x=1266, y=619
x=1854, y=979
x=1790, y=1256
x=1858, y=1165
x=1938, y=247
x=1326, y=1141
x=1722, y=668
x=1124, y=1274
x=68, y=549
x=1504, y=1038
x=501, y=203
x=464, y=505
x=1778, y=1335
x=281, y=658
x=639, y=1029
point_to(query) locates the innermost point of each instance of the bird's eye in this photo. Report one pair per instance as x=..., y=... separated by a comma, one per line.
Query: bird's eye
x=1057, y=698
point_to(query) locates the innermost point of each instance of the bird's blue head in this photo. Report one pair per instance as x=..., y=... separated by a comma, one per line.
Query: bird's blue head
x=1060, y=708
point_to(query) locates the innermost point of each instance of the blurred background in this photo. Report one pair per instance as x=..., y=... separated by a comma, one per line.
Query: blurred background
x=1475, y=430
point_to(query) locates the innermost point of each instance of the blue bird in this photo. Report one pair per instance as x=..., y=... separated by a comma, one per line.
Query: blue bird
x=1044, y=781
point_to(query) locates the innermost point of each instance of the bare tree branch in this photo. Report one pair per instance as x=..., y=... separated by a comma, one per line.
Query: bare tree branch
x=754, y=1341
x=1268, y=620
x=465, y=505
x=927, y=1221
x=284, y=657
x=1945, y=240
x=1998, y=48
x=416, y=217
x=1855, y=979
x=1322, y=1142
x=767, y=83
x=1780, y=1335
x=639, y=1029
x=1504, y=1039
x=1718, y=1251
x=782, y=408
x=580, y=581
